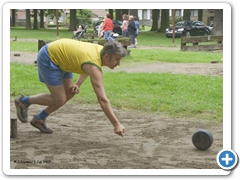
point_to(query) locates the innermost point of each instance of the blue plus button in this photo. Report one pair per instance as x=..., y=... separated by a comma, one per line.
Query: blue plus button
x=227, y=159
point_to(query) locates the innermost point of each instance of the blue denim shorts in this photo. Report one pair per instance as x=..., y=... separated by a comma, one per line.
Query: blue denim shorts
x=50, y=73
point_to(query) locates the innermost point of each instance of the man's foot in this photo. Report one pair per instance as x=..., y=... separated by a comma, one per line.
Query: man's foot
x=132, y=46
x=41, y=125
x=22, y=110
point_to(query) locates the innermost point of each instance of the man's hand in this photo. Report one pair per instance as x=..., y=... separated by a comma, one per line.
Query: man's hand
x=119, y=129
x=74, y=89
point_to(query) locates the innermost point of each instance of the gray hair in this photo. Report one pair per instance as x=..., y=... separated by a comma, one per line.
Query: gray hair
x=113, y=48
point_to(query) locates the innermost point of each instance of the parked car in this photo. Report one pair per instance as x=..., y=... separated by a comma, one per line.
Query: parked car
x=210, y=27
x=178, y=30
x=180, y=23
x=189, y=28
x=117, y=26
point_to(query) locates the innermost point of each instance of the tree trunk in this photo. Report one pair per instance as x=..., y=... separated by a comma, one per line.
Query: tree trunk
x=35, y=22
x=173, y=25
x=124, y=11
x=164, y=20
x=73, y=20
x=57, y=30
x=218, y=22
x=28, y=19
x=41, y=18
x=111, y=13
x=200, y=14
x=133, y=12
x=155, y=17
x=187, y=14
x=118, y=14
x=13, y=17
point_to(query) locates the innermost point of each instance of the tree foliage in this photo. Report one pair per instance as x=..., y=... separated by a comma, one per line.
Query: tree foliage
x=52, y=13
x=84, y=16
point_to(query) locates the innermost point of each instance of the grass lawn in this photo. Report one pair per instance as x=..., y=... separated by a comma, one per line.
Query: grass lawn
x=193, y=96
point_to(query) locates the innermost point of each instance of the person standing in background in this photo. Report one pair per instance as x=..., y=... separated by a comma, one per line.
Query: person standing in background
x=131, y=31
x=100, y=31
x=108, y=28
x=124, y=26
x=137, y=28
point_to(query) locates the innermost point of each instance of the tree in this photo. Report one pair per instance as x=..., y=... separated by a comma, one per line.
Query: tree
x=28, y=19
x=164, y=20
x=186, y=14
x=57, y=22
x=133, y=12
x=52, y=13
x=84, y=16
x=124, y=11
x=200, y=14
x=35, y=22
x=155, y=17
x=218, y=22
x=73, y=20
x=41, y=18
x=118, y=14
x=13, y=17
x=173, y=25
x=111, y=13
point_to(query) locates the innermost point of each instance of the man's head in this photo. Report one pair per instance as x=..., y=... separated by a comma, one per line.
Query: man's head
x=112, y=53
x=108, y=15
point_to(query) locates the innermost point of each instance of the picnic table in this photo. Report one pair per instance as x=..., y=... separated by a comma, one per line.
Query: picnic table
x=93, y=38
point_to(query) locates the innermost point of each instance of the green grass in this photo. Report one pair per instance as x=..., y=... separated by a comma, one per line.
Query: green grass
x=192, y=96
x=152, y=38
x=161, y=55
x=24, y=46
x=50, y=34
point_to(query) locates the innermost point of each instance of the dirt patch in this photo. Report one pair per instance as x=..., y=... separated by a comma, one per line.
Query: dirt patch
x=215, y=69
x=83, y=137
x=210, y=69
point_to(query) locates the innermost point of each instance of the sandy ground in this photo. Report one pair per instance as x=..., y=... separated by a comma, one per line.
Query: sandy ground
x=212, y=69
x=83, y=137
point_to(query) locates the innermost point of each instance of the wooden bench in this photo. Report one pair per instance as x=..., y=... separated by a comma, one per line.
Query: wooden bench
x=91, y=35
x=93, y=38
x=124, y=41
x=206, y=43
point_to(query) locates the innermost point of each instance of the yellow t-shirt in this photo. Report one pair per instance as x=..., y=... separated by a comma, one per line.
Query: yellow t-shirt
x=70, y=54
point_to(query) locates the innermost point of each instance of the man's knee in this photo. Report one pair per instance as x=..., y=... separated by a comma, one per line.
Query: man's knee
x=59, y=101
